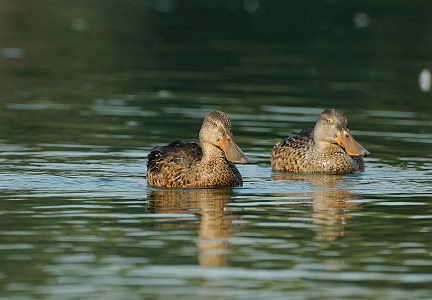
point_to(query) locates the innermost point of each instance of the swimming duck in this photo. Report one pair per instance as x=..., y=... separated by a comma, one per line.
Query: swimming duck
x=208, y=164
x=327, y=148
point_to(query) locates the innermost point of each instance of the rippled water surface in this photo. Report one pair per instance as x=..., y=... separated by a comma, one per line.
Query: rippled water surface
x=87, y=89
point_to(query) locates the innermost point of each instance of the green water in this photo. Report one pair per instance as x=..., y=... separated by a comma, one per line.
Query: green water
x=88, y=87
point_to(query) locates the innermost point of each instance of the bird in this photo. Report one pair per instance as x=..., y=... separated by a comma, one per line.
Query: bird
x=207, y=164
x=329, y=147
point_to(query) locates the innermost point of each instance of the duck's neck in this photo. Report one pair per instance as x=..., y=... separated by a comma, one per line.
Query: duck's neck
x=320, y=145
x=325, y=147
x=211, y=153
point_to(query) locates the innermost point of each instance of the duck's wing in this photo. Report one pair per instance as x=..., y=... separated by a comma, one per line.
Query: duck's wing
x=302, y=137
x=171, y=161
x=289, y=154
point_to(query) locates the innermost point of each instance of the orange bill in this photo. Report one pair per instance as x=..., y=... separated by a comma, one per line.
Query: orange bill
x=351, y=146
x=232, y=152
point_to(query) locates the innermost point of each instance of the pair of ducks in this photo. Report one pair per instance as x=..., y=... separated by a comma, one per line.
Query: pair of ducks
x=327, y=148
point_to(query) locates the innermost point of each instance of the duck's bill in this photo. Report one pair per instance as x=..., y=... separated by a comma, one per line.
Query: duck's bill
x=232, y=152
x=351, y=146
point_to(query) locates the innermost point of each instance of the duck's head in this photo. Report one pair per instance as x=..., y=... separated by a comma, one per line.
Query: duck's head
x=332, y=127
x=216, y=130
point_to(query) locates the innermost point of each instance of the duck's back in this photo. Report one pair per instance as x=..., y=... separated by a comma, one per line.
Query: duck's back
x=290, y=155
x=169, y=166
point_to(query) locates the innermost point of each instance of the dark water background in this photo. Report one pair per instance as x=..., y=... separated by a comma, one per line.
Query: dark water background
x=88, y=87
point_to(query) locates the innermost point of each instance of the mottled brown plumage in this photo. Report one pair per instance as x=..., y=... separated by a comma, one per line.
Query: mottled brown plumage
x=192, y=165
x=327, y=148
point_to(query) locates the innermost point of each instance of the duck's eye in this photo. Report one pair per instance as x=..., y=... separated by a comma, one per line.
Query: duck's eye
x=329, y=121
x=214, y=124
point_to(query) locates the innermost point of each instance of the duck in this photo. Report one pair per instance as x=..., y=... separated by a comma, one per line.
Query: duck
x=329, y=147
x=207, y=164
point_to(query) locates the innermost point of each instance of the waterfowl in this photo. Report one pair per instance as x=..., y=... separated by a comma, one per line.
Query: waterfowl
x=209, y=164
x=327, y=148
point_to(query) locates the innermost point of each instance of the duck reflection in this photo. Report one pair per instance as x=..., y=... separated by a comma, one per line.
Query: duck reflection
x=216, y=222
x=331, y=197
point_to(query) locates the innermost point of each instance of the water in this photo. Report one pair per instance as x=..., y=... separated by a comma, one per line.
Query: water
x=87, y=89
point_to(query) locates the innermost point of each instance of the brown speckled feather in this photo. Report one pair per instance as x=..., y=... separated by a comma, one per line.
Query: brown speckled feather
x=295, y=154
x=179, y=165
x=300, y=153
x=192, y=165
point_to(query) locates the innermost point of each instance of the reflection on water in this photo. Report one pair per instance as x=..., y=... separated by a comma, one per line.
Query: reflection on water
x=332, y=200
x=216, y=223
